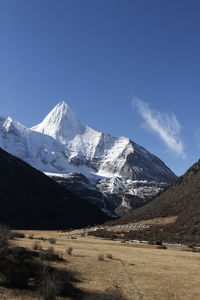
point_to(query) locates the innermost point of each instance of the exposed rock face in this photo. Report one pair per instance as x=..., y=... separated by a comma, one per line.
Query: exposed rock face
x=117, y=170
x=115, y=196
x=126, y=195
x=80, y=185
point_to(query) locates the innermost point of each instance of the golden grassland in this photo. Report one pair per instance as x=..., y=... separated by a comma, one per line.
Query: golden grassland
x=142, y=272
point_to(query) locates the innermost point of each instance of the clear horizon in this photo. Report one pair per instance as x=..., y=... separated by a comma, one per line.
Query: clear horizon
x=126, y=68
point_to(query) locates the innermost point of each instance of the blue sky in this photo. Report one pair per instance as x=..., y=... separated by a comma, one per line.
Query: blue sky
x=126, y=67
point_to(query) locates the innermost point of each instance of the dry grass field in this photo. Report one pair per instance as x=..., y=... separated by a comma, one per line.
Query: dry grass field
x=141, y=272
x=155, y=221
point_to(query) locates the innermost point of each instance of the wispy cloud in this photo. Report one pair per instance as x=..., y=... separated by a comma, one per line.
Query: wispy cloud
x=163, y=124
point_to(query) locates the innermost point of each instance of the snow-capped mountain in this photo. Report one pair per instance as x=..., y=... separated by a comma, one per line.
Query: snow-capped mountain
x=107, y=155
x=61, y=123
x=116, y=167
x=39, y=150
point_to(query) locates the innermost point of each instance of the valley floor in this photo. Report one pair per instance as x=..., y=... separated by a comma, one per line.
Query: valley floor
x=142, y=272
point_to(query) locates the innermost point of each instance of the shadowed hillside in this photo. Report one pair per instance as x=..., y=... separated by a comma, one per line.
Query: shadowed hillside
x=181, y=199
x=31, y=200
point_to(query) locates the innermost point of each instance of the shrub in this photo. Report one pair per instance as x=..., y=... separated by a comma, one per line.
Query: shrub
x=50, y=255
x=161, y=247
x=18, y=275
x=52, y=240
x=51, y=283
x=31, y=236
x=103, y=234
x=101, y=257
x=197, y=250
x=17, y=266
x=191, y=245
x=50, y=250
x=36, y=246
x=21, y=253
x=15, y=234
x=108, y=294
x=159, y=243
x=69, y=251
x=151, y=242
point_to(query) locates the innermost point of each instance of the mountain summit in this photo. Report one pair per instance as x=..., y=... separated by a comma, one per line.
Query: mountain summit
x=61, y=123
x=114, y=166
x=104, y=154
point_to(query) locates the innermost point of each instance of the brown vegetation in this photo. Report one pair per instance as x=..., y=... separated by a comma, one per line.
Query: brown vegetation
x=101, y=257
x=36, y=246
x=109, y=256
x=69, y=251
x=21, y=268
x=52, y=240
x=181, y=199
x=135, y=271
x=103, y=234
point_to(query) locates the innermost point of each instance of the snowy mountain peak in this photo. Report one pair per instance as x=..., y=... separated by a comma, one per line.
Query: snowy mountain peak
x=61, y=108
x=115, y=166
x=13, y=126
x=106, y=155
x=8, y=124
x=61, y=123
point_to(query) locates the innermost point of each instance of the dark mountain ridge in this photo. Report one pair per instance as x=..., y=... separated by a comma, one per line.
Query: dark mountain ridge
x=31, y=200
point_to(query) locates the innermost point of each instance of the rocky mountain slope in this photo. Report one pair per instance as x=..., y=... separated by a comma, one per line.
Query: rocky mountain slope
x=31, y=200
x=121, y=173
x=181, y=199
x=102, y=153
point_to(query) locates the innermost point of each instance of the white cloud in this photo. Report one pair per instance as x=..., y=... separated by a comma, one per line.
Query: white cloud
x=163, y=124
